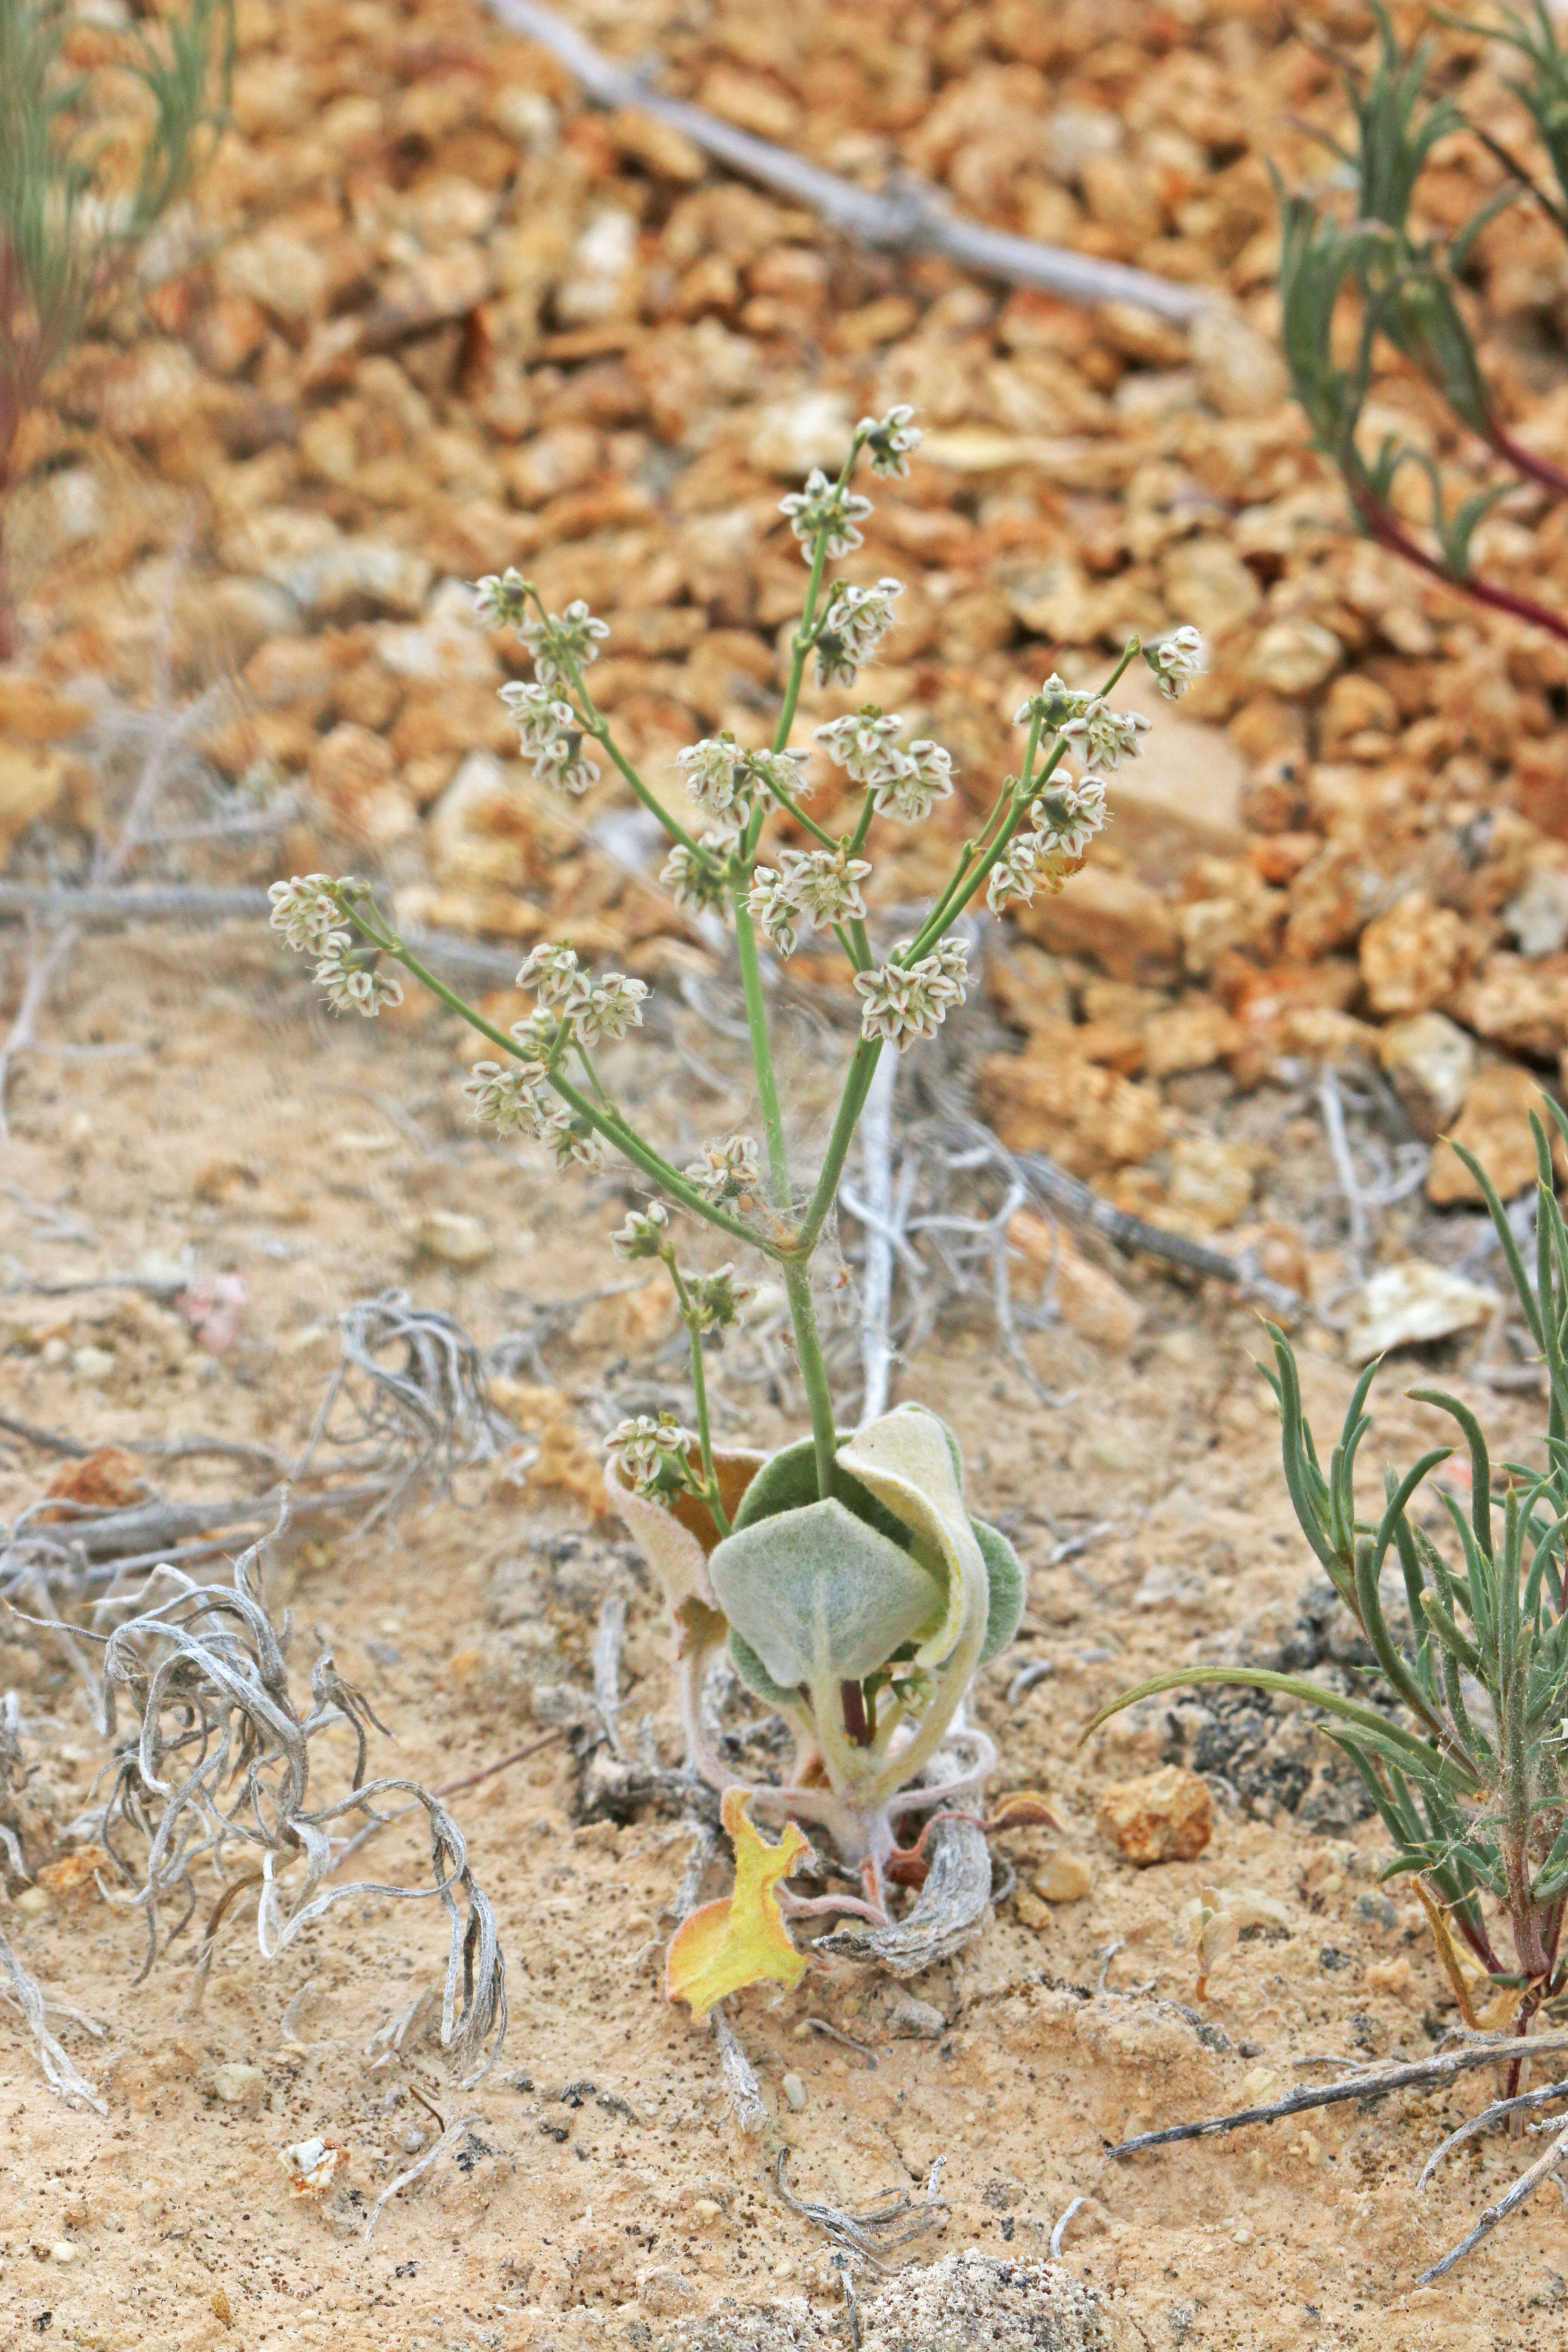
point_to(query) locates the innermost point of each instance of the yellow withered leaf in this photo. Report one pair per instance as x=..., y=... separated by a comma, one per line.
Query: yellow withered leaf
x=742, y=1939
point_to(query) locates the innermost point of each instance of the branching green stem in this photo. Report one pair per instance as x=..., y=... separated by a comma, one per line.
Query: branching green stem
x=604, y=1119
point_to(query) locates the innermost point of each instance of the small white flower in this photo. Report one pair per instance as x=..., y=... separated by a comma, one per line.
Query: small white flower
x=1106, y=737
x=903, y=1000
x=508, y=1096
x=727, y=1170
x=890, y=440
x=858, y=620
x=303, y=915
x=1177, y=662
x=550, y=970
x=697, y=881
x=348, y=978
x=651, y=1456
x=715, y=774
x=501, y=602
x=780, y=771
x=643, y=1232
x=863, y=743
x=573, y=1141
x=1056, y=703
x=947, y=966
x=825, y=884
x=716, y=1299
x=1068, y=815
x=923, y=777
x=773, y=907
x=536, y=1036
x=825, y=507
x=1015, y=874
x=572, y=772
x=615, y=1006
x=538, y=715
x=565, y=642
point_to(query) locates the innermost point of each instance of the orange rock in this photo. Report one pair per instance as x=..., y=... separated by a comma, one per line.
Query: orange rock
x=1414, y=956
x=1495, y=1126
x=1116, y=921
x=74, y=1873
x=1166, y=1816
x=1078, y=1111
x=1519, y=1001
x=1090, y=1301
x=107, y=1480
x=353, y=774
x=32, y=712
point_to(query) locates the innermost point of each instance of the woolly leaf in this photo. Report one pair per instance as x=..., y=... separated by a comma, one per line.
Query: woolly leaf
x=1005, y=1575
x=820, y=1597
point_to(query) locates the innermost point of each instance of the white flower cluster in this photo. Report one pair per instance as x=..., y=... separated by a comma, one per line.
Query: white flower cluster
x=350, y=979
x=890, y=439
x=1105, y=737
x=597, y=1008
x=695, y=879
x=308, y=918
x=716, y=1299
x=901, y=1000
x=1177, y=662
x=825, y=507
x=857, y=621
x=1056, y=704
x=304, y=915
x=551, y=737
x=1067, y=816
x=565, y=642
x=905, y=783
x=823, y=885
x=643, y=1232
x=651, y=1456
x=727, y=1170
x=722, y=776
x=501, y=602
x=512, y=1097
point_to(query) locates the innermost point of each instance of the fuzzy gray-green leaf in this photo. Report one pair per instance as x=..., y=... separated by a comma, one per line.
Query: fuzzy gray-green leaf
x=819, y=1596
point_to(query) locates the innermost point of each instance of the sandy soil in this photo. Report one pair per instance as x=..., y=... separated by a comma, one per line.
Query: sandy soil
x=603, y=2195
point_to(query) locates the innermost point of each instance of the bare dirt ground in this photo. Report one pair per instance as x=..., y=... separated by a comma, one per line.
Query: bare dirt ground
x=603, y=2195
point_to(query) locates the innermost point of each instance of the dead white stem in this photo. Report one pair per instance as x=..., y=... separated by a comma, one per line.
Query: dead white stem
x=61, y=2074
x=877, y=1294
x=607, y=1639
x=740, y=2077
x=449, y=2138
x=910, y=218
x=1523, y=2188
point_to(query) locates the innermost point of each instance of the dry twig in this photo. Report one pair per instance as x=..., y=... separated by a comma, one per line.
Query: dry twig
x=877, y=2230
x=909, y=217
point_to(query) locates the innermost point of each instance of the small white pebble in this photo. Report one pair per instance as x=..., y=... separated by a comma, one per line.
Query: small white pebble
x=794, y=2090
x=705, y=2209
x=64, y=2251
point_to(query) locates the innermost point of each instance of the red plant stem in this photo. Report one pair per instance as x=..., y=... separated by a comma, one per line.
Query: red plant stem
x=1392, y=534
x=855, y=1720
x=1525, y=461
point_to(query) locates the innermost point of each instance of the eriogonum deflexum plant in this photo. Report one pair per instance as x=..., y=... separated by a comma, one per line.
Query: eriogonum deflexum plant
x=846, y=1577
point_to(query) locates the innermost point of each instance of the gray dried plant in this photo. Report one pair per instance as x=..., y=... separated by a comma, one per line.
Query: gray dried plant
x=215, y=1797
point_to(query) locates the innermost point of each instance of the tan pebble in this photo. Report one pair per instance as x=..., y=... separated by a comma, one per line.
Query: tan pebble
x=705, y=2209
x=1066, y=1878
x=1167, y=1816
x=1031, y=1910
x=794, y=2090
x=33, y=1900
x=1388, y=1976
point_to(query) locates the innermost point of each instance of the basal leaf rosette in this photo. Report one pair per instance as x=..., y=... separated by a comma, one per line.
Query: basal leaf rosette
x=869, y=1611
